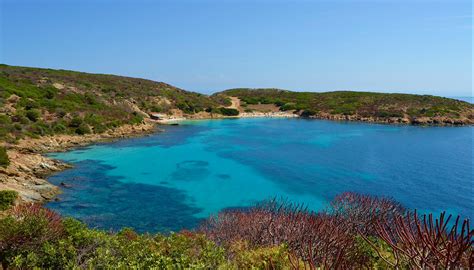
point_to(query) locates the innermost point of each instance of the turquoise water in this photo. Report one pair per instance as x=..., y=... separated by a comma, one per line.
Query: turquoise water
x=173, y=179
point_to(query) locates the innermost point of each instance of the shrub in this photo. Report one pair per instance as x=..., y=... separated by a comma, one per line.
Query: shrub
x=59, y=128
x=288, y=107
x=33, y=115
x=7, y=198
x=99, y=128
x=40, y=128
x=136, y=118
x=29, y=104
x=245, y=257
x=363, y=212
x=384, y=114
x=270, y=235
x=49, y=93
x=26, y=230
x=321, y=240
x=4, y=160
x=83, y=129
x=444, y=244
x=308, y=113
x=61, y=113
x=75, y=122
x=228, y=111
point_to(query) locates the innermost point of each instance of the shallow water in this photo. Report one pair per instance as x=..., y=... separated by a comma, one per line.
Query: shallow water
x=172, y=180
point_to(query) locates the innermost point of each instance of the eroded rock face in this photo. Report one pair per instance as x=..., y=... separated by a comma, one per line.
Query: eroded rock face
x=28, y=167
x=25, y=175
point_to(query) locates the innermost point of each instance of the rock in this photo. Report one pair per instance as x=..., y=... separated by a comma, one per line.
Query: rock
x=28, y=167
x=58, y=86
x=65, y=185
x=13, y=99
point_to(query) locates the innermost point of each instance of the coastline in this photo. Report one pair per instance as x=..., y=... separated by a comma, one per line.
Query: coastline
x=208, y=116
x=417, y=121
x=29, y=166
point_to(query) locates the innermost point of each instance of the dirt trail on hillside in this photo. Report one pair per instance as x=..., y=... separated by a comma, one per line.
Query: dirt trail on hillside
x=235, y=104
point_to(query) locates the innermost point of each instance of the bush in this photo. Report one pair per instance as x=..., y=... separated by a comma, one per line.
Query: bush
x=33, y=115
x=34, y=237
x=321, y=239
x=363, y=212
x=7, y=198
x=269, y=236
x=308, y=113
x=75, y=122
x=358, y=232
x=83, y=129
x=59, y=128
x=29, y=104
x=136, y=118
x=40, y=128
x=25, y=232
x=61, y=113
x=228, y=111
x=4, y=160
x=245, y=257
x=288, y=107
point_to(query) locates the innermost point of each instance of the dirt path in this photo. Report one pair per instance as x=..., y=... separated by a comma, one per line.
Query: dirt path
x=235, y=104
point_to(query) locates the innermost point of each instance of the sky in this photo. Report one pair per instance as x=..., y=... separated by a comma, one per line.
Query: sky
x=422, y=47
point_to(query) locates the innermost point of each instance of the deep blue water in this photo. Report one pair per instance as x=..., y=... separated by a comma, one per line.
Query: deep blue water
x=174, y=179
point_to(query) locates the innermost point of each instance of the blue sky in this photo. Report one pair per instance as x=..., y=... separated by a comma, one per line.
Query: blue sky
x=390, y=46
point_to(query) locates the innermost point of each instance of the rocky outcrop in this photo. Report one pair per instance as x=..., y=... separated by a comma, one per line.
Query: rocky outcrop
x=26, y=173
x=437, y=120
x=29, y=167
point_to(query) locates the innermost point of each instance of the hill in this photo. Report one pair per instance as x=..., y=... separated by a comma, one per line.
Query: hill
x=361, y=106
x=36, y=101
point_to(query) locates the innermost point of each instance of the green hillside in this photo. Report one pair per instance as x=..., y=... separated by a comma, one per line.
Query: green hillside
x=36, y=102
x=378, y=106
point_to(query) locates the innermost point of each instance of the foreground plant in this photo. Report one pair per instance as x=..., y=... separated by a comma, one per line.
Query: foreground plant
x=364, y=212
x=357, y=232
x=428, y=243
x=321, y=240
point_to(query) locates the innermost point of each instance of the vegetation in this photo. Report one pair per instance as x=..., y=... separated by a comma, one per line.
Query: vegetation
x=4, y=160
x=362, y=104
x=36, y=102
x=228, y=111
x=7, y=199
x=357, y=231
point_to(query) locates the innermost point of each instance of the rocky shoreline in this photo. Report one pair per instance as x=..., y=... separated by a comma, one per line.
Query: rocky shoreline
x=433, y=121
x=29, y=168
